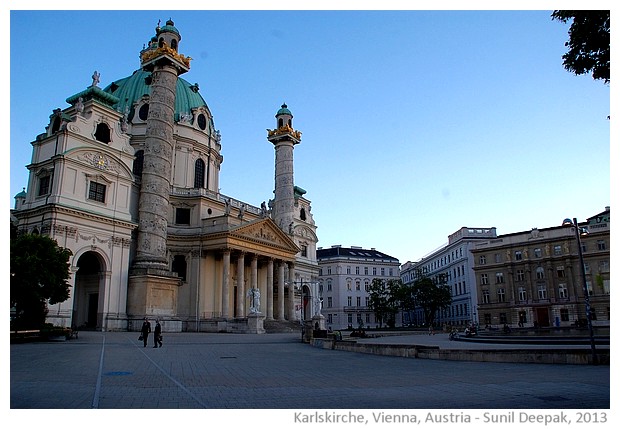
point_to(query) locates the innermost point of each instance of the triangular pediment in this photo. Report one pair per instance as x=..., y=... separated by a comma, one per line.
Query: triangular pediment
x=265, y=231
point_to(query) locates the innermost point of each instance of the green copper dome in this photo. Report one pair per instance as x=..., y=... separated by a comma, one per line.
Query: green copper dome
x=132, y=88
x=284, y=111
x=169, y=27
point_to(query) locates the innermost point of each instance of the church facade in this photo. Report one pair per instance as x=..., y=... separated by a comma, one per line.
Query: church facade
x=127, y=178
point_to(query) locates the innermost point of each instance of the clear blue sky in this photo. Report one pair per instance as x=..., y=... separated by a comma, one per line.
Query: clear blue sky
x=415, y=123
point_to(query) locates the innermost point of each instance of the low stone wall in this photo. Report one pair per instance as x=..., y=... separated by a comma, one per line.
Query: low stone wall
x=553, y=356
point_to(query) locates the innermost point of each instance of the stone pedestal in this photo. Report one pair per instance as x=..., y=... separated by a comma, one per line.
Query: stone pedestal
x=255, y=323
x=320, y=320
x=152, y=295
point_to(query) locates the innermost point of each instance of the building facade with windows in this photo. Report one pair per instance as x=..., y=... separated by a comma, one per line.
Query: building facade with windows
x=533, y=278
x=127, y=178
x=451, y=264
x=345, y=276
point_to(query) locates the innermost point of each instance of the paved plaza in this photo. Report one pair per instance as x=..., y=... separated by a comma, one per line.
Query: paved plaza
x=278, y=371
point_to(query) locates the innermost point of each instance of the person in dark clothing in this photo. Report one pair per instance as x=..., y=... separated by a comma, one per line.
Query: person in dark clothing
x=146, y=328
x=157, y=335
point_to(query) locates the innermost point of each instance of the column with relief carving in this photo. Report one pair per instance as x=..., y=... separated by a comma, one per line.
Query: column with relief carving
x=152, y=286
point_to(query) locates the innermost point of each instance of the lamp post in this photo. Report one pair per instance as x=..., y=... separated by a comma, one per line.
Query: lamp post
x=586, y=293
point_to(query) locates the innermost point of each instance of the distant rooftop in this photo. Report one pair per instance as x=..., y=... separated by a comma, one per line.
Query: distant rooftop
x=353, y=252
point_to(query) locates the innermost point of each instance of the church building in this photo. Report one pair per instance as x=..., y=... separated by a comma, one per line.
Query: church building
x=127, y=178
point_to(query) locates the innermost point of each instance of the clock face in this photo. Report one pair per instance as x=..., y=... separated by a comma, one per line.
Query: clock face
x=101, y=162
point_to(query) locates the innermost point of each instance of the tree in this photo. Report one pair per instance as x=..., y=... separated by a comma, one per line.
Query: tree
x=431, y=296
x=382, y=302
x=39, y=274
x=589, y=42
x=403, y=294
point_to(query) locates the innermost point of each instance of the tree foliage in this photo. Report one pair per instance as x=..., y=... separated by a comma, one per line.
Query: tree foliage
x=431, y=296
x=589, y=42
x=39, y=274
x=382, y=300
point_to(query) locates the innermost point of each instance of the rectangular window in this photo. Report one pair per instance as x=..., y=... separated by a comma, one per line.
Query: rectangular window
x=560, y=271
x=304, y=250
x=501, y=295
x=366, y=285
x=499, y=278
x=357, y=270
x=484, y=279
x=382, y=271
x=182, y=216
x=502, y=318
x=44, y=185
x=542, y=292
x=518, y=255
x=486, y=296
x=357, y=285
x=350, y=318
x=538, y=253
x=329, y=302
x=482, y=260
x=367, y=301
x=367, y=318
x=562, y=291
x=498, y=258
x=358, y=301
x=349, y=287
x=520, y=275
x=365, y=271
x=96, y=192
x=348, y=270
x=329, y=286
x=564, y=314
x=522, y=294
x=557, y=250
x=329, y=318
x=487, y=319
x=349, y=301
x=600, y=245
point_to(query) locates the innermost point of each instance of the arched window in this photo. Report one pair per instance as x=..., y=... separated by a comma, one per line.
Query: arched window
x=161, y=42
x=102, y=133
x=302, y=214
x=173, y=44
x=202, y=122
x=138, y=163
x=199, y=174
x=143, y=113
x=280, y=122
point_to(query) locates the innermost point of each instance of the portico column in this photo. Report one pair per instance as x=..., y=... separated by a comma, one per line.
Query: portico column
x=225, y=283
x=281, y=280
x=239, y=310
x=270, y=289
x=254, y=274
x=291, y=292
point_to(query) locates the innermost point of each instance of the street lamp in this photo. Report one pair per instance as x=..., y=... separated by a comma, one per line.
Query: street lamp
x=586, y=293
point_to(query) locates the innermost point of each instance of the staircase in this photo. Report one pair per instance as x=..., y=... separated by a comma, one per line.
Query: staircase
x=281, y=326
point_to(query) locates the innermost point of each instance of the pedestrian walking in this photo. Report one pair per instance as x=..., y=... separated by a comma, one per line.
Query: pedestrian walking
x=157, y=334
x=146, y=329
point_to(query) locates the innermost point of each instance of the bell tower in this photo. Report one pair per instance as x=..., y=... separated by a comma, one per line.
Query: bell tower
x=284, y=137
